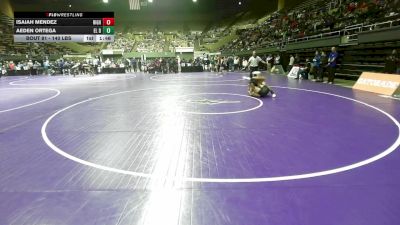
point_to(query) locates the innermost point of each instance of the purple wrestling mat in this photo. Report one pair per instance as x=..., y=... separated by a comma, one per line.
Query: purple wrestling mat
x=195, y=149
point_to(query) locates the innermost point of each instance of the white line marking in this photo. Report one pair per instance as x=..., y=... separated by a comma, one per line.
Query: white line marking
x=381, y=155
x=34, y=103
x=21, y=79
x=197, y=76
x=72, y=81
x=172, y=78
x=260, y=104
x=389, y=97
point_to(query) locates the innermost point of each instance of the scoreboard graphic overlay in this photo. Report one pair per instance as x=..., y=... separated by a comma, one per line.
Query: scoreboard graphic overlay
x=64, y=26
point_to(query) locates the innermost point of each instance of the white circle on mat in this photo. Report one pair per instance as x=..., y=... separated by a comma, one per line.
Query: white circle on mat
x=57, y=93
x=75, y=80
x=207, y=76
x=384, y=153
x=260, y=103
x=170, y=78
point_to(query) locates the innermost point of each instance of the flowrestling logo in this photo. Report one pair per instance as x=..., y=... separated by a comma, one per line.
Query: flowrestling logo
x=64, y=15
x=206, y=101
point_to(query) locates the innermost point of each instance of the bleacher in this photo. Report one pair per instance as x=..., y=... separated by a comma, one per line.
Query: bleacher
x=152, y=41
x=369, y=57
x=305, y=4
x=362, y=46
x=354, y=59
x=6, y=40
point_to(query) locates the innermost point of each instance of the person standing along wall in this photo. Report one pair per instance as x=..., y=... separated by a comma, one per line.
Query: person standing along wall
x=270, y=60
x=324, y=65
x=213, y=64
x=3, y=70
x=11, y=68
x=332, y=63
x=230, y=63
x=225, y=64
x=291, y=63
x=179, y=64
x=236, y=63
x=317, y=70
x=277, y=60
x=132, y=65
x=46, y=65
x=245, y=63
x=297, y=60
x=391, y=63
x=30, y=67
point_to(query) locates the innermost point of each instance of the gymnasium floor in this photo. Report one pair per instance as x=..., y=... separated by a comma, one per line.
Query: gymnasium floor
x=195, y=149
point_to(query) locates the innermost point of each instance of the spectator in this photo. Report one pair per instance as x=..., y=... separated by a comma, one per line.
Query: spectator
x=316, y=68
x=277, y=60
x=30, y=67
x=324, y=65
x=236, y=63
x=283, y=26
x=36, y=67
x=11, y=67
x=244, y=64
x=297, y=59
x=107, y=63
x=392, y=63
x=305, y=71
x=46, y=65
x=3, y=71
x=291, y=63
x=230, y=63
x=332, y=64
x=270, y=61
